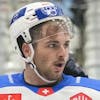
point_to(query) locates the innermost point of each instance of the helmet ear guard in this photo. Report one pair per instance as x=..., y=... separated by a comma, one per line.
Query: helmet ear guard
x=25, y=38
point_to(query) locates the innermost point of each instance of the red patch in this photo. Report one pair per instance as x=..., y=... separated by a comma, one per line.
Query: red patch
x=80, y=96
x=10, y=96
x=45, y=91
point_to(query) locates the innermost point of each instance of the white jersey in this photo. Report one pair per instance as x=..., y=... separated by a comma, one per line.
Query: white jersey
x=13, y=87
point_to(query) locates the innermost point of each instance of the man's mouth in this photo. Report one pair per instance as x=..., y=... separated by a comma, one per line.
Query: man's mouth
x=59, y=67
x=59, y=64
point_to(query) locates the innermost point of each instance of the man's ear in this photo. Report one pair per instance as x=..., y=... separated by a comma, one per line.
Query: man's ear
x=26, y=50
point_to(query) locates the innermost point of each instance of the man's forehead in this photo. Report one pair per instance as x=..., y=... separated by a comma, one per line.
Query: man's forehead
x=50, y=29
x=60, y=36
x=53, y=27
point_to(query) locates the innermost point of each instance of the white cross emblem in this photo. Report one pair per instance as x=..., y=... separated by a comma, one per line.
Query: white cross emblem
x=45, y=91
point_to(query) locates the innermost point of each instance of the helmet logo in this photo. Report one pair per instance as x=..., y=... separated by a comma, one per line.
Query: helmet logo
x=50, y=10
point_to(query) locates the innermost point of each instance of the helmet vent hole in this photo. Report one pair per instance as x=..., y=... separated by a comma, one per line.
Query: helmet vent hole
x=24, y=34
x=15, y=47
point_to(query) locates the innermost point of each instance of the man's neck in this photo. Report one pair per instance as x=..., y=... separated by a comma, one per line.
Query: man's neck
x=31, y=78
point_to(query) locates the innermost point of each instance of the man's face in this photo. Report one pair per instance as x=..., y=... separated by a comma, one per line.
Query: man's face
x=52, y=52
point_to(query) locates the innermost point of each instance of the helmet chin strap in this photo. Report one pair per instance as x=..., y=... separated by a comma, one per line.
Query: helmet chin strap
x=29, y=60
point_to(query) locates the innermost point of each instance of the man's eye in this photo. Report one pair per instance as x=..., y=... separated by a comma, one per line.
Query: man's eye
x=66, y=45
x=52, y=45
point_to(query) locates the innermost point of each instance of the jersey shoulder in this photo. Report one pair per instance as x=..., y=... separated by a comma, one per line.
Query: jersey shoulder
x=82, y=81
x=91, y=83
x=9, y=79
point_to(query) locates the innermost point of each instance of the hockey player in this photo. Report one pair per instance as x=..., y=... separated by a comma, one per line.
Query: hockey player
x=41, y=36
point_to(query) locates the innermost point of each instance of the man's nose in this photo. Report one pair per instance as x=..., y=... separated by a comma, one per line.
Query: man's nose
x=62, y=52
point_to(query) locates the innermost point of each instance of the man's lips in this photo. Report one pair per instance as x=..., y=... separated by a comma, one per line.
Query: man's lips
x=59, y=64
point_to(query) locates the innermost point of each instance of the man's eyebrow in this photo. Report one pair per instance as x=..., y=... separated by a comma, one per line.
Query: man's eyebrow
x=52, y=41
x=68, y=41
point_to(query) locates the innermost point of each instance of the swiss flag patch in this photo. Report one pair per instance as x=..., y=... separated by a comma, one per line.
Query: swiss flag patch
x=10, y=96
x=80, y=96
x=45, y=91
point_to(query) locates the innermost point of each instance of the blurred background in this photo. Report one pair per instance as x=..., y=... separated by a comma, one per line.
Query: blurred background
x=85, y=15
